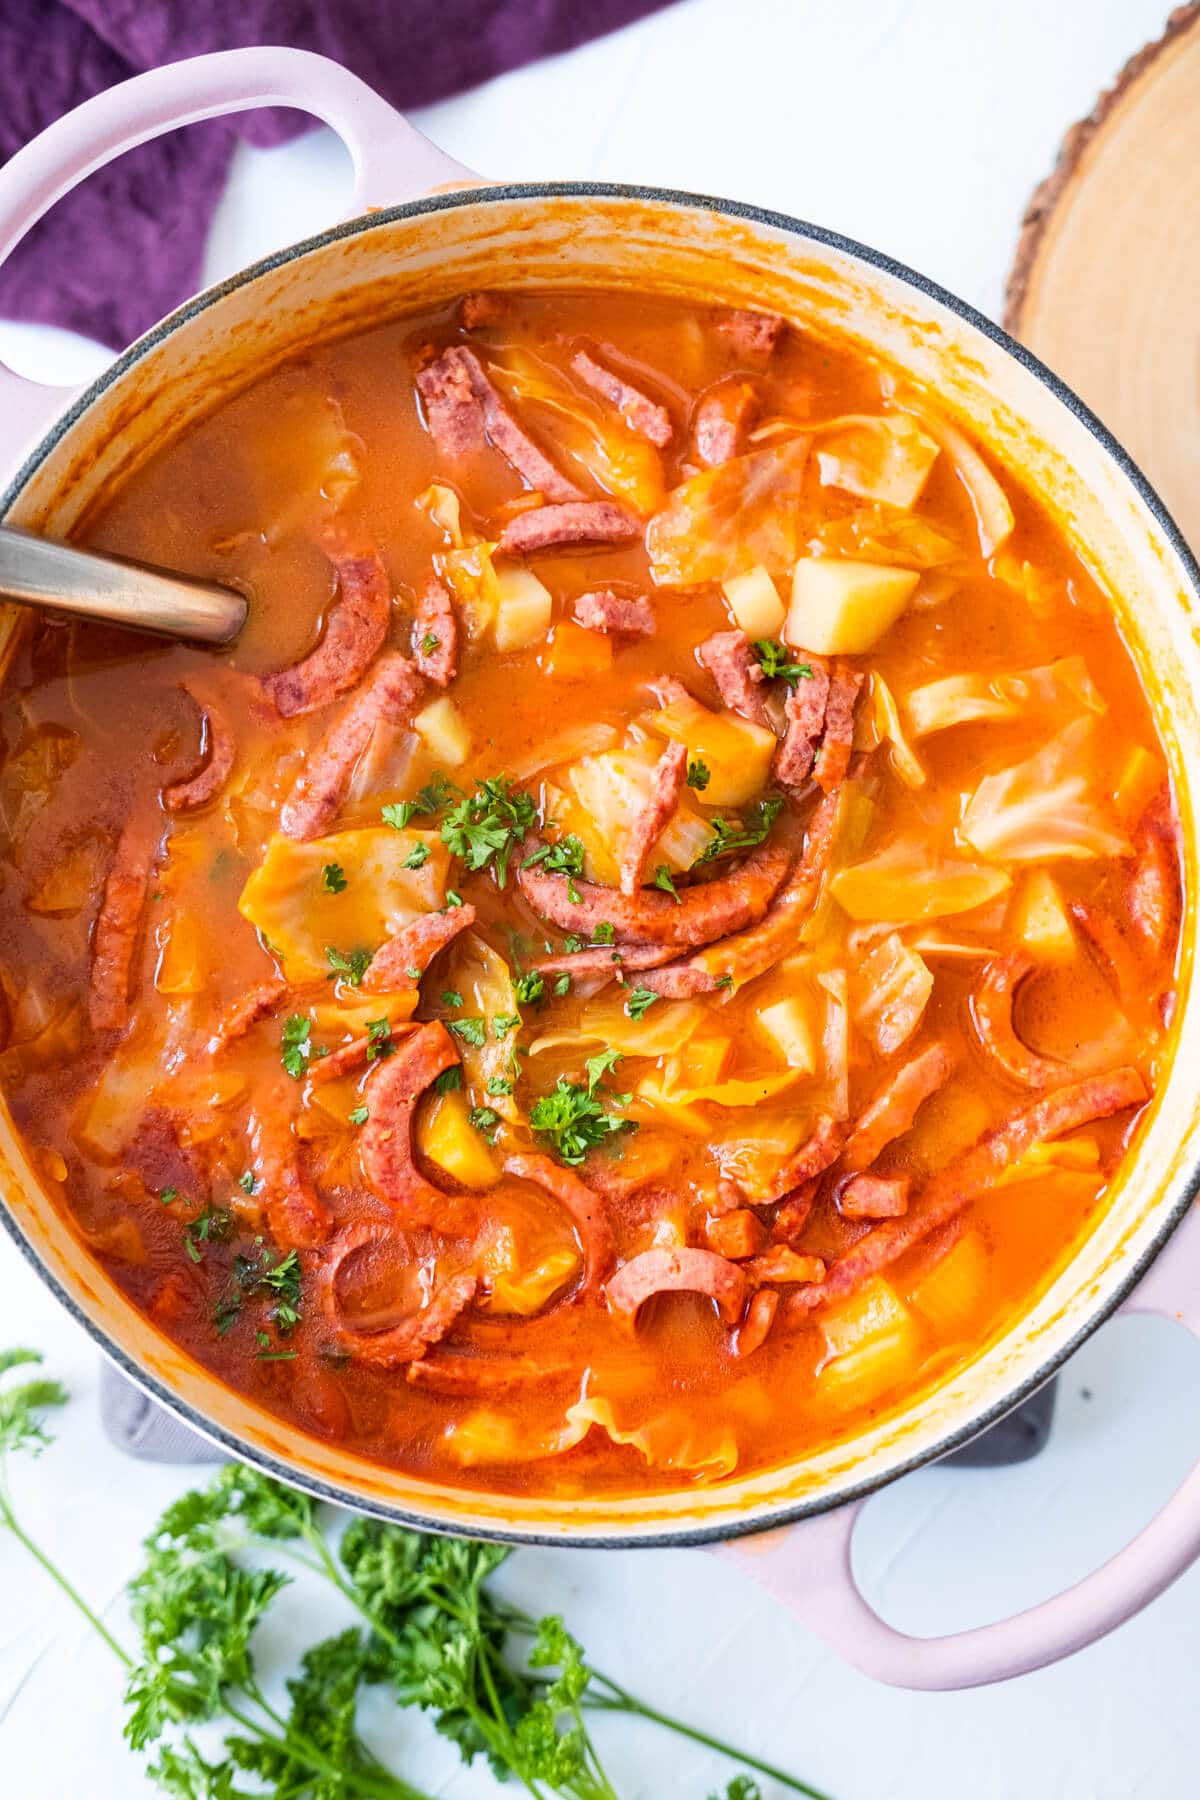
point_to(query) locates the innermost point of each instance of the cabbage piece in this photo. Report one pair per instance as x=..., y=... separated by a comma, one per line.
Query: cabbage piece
x=527, y=1251
x=660, y=1031
x=749, y=1090
x=835, y=1041
x=993, y=514
x=443, y=506
x=1053, y=804
x=604, y=795
x=1064, y=687
x=886, y=457
x=487, y=1436
x=73, y=880
x=889, y=730
x=872, y=534
x=564, y=746
x=470, y=575
x=32, y=772
x=55, y=1039
x=905, y=883
x=483, y=978
x=872, y=1344
x=286, y=901
x=890, y=991
x=592, y=437
x=736, y=753
x=307, y=453
x=748, y=511
x=683, y=1437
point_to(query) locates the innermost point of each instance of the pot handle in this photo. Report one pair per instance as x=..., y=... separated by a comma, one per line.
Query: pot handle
x=808, y=1566
x=392, y=160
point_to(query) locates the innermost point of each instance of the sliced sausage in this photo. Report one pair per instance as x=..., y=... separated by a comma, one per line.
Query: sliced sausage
x=804, y=709
x=753, y=334
x=652, y=819
x=608, y=961
x=833, y=758
x=738, y=674
x=217, y=750
x=722, y=419
x=386, y=700
x=991, y=1008
x=386, y=1140
x=297, y=1216
x=413, y=948
x=760, y=1316
x=586, y=1208
x=786, y=1266
x=640, y=413
x=677, y=1270
x=892, y=1110
x=435, y=635
x=356, y=1054
x=561, y=527
x=246, y=1011
x=462, y=407
x=402, y=1343
x=353, y=637
x=115, y=935
x=794, y=1214
x=874, y=1197
x=1153, y=894
x=1108, y=944
x=736, y=1234
x=819, y=1151
x=614, y=615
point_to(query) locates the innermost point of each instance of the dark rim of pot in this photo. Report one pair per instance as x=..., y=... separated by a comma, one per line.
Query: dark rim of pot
x=770, y=1516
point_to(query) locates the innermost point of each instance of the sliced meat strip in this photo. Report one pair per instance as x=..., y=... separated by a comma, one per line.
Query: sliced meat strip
x=246, y=1011
x=721, y=422
x=386, y=700
x=561, y=527
x=1108, y=944
x=414, y=948
x=751, y=333
x=971, y=1174
x=603, y=960
x=403, y=1343
x=874, y=1197
x=114, y=937
x=991, y=1009
x=386, y=1140
x=677, y=1270
x=782, y=1264
x=640, y=413
x=819, y=1151
x=1153, y=894
x=353, y=637
x=586, y=1208
x=217, y=750
x=453, y=1372
x=702, y=913
x=463, y=407
x=435, y=634
x=651, y=820
x=297, y=1217
x=738, y=674
x=736, y=1234
x=833, y=759
x=804, y=709
x=614, y=615
x=360, y=1051
x=741, y=956
x=760, y=1316
x=794, y=1214
x=891, y=1111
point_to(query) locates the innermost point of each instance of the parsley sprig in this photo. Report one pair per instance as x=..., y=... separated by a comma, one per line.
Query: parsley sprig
x=775, y=664
x=485, y=827
x=732, y=835
x=573, y=1118
x=497, y=1682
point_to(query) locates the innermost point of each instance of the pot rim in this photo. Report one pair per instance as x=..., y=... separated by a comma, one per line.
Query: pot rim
x=765, y=1517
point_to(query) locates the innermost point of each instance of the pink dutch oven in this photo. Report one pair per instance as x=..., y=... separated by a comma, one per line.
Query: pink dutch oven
x=423, y=230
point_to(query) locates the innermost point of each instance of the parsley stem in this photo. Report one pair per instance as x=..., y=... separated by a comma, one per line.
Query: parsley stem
x=364, y=1782
x=9, y=1519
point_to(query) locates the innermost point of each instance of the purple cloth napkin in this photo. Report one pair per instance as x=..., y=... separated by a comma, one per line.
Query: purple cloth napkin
x=126, y=246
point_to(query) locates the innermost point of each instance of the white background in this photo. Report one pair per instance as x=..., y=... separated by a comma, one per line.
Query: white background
x=919, y=127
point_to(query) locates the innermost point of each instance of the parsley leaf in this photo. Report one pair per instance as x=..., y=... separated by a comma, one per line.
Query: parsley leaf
x=359, y=1116
x=573, y=943
x=572, y=1119
x=502, y=1024
x=485, y=1119
x=499, y=1084
x=698, y=775
x=471, y=1031
x=417, y=857
x=452, y=899
x=640, y=1001
x=333, y=878
x=530, y=987
x=449, y=1081
x=246, y=1181
x=562, y=985
x=604, y=933
x=168, y=1194
x=350, y=967
x=731, y=835
x=380, y=1043
x=773, y=660
x=485, y=827
x=663, y=880
x=429, y=644
x=451, y=997
x=431, y=799
x=562, y=858
x=21, y=1427
x=297, y=1047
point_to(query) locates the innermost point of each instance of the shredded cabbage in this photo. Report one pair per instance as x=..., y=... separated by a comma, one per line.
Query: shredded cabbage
x=886, y=457
x=905, y=883
x=746, y=512
x=891, y=990
x=1052, y=804
x=1063, y=689
x=593, y=437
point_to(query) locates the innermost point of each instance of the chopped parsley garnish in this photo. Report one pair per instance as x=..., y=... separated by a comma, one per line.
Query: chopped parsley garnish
x=212, y=1226
x=503, y=1023
x=563, y=858
x=730, y=835
x=351, y=966
x=499, y=1084
x=640, y=1001
x=485, y=1119
x=571, y=1120
x=471, y=1031
x=413, y=972
x=449, y=1081
x=379, y=1040
x=573, y=944
x=453, y=899
x=724, y=981
x=359, y=1116
x=562, y=985
x=663, y=879
x=429, y=644
x=168, y=1194
x=530, y=987
x=297, y=1044
x=417, y=857
x=333, y=878
x=431, y=799
x=451, y=997
x=246, y=1181
x=698, y=775
x=604, y=933
x=773, y=660
x=485, y=827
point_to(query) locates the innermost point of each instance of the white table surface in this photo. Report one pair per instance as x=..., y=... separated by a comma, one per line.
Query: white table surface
x=919, y=126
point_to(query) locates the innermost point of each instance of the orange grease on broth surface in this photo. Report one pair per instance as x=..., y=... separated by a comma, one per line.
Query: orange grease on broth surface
x=238, y=498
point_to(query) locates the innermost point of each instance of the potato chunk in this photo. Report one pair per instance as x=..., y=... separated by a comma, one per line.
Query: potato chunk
x=841, y=608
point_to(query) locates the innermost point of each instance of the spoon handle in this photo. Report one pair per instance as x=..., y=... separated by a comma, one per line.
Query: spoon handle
x=36, y=572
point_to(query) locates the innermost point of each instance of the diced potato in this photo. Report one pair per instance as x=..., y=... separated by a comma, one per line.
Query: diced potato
x=872, y=1343
x=754, y=601
x=953, y=1294
x=736, y=753
x=284, y=897
x=1039, y=919
x=446, y=1136
x=575, y=654
x=787, y=1026
x=605, y=793
x=445, y=732
x=523, y=609
x=842, y=608
x=903, y=884
x=1140, y=779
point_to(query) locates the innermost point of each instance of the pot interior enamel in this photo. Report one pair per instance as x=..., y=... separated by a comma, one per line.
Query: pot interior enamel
x=571, y=236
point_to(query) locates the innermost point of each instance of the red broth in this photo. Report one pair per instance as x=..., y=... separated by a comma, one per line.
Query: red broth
x=777, y=1136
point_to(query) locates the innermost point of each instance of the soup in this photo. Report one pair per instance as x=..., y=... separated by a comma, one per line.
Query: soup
x=652, y=947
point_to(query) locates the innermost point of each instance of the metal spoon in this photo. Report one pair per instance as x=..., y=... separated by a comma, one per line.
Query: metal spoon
x=36, y=572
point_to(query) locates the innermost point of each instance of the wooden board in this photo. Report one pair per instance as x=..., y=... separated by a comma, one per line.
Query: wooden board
x=1105, y=287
